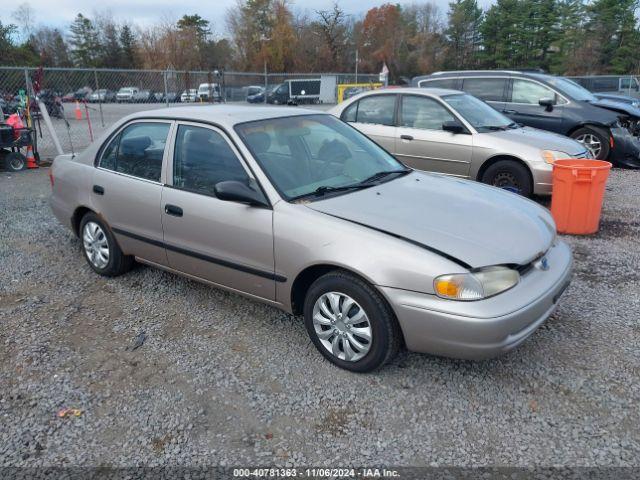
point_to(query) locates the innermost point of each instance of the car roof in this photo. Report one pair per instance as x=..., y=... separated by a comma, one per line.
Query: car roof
x=225, y=115
x=482, y=73
x=438, y=92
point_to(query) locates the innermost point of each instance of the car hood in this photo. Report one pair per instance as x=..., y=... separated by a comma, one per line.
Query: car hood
x=538, y=139
x=471, y=223
x=617, y=107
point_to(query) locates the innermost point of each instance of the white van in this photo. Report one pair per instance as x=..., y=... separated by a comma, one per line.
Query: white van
x=209, y=92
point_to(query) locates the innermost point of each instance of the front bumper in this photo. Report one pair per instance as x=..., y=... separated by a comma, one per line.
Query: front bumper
x=626, y=149
x=485, y=328
x=542, y=177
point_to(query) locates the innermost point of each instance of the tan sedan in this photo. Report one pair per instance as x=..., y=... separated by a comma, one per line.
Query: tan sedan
x=451, y=132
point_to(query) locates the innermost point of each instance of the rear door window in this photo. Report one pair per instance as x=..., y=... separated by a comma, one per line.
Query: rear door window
x=137, y=150
x=487, y=89
x=449, y=83
x=423, y=113
x=377, y=109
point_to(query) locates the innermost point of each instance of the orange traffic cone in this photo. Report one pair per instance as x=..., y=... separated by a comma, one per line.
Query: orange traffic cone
x=78, y=111
x=31, y=159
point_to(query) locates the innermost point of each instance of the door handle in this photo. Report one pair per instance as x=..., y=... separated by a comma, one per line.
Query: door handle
x=509, y=112
x=406, y=137
x=97, y=189
x=173, y=210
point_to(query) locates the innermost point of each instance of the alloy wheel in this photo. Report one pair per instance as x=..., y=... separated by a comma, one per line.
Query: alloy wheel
x=96, y=245
x=592, y=142
x=342, y=326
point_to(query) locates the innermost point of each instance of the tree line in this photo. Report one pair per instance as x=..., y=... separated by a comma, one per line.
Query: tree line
x=559, y=36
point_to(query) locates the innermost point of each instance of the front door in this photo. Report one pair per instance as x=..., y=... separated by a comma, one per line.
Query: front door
x=524, y=106
x=423, y=144
x=228, y=243
x=127, y=188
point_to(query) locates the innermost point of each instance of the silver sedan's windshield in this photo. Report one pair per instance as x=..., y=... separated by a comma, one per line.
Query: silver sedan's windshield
x=480, y=115
x=311, y=155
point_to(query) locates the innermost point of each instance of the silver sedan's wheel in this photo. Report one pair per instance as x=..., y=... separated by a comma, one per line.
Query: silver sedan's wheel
x=342, y=326
x=592, y=142
x=96, y=245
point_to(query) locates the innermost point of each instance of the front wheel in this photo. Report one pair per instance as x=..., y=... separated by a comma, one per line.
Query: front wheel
x=100, y=248
x=595, y=139
x=14, y=161
x=510, y=175
x=350, y=323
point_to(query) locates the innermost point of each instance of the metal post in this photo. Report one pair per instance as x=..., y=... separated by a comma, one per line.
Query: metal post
x=266, y=81
x=95, y=76
x=166, y=92
x=356, y=66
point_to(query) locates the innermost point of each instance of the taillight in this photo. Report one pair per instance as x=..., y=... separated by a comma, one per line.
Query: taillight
x=51, y=179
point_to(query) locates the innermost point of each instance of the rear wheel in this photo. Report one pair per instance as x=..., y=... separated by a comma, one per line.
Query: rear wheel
x=14, y=161
x=100, y=248
x=350, y=323
x=510, y=175
x=595, y=139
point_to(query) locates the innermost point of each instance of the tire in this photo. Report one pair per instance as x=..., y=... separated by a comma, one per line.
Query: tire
x=101, y=239
x=588, y=135
x=15, y=161
x=383, y=330
x=510, y=175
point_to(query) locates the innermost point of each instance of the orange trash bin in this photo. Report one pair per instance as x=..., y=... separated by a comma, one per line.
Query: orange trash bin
x=578, y=192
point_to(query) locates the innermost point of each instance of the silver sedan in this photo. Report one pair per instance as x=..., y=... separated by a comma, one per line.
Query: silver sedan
x=297, y=209
x=454, y=133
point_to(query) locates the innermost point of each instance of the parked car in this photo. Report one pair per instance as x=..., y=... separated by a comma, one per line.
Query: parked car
x=143, y=96
x=255, y=94
x=190, y=95
x=82, y=94
x=611, y=84
x=103, y=95
x=452, y=132
x=551, y=103
x=296, y=209
x=209, y=92
x=126, y=94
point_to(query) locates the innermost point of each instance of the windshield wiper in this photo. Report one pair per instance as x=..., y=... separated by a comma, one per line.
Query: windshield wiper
x=380, y=175
x=324, y=189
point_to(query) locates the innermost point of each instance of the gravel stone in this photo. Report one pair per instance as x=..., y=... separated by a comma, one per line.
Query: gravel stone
x=222, y=380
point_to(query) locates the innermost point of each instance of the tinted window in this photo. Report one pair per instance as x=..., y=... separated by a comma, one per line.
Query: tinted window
x=203, y=158
x=378, y=109
x=349, y=114
x=629, y=83
x=424, y=113
x=137, y=150
x=528, y=92
x=451, y=83
x=605, y=83
x=488, y=89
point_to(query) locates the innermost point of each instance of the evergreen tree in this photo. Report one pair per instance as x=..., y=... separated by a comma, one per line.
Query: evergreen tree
x=463, y=34
x=127, y=47
x=84, y=42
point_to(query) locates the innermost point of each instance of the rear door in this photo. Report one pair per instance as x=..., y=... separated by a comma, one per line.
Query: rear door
x=374, y=115
x=423, y=144
x=523, y=105
x=127, y=187
x=228, y=243
x=492, y=90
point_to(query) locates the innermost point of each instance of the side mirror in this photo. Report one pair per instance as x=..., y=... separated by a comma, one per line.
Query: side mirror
x=548, y=103
x=453, y=127
x=235, y=191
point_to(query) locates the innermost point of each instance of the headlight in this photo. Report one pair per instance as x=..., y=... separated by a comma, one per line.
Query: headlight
x=484, y=283
x=551, y=156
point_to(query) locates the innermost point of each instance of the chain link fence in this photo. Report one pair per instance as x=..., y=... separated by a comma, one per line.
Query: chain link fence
x=82, y=103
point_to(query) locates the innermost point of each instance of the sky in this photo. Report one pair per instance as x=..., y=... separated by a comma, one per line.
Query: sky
x=60, y=13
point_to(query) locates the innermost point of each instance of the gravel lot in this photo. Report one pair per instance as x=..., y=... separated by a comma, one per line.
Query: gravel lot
x=224, y=380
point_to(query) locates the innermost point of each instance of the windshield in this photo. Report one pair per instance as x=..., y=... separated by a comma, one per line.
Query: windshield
x=314, y=153
x=480, y=115
x=572, y=89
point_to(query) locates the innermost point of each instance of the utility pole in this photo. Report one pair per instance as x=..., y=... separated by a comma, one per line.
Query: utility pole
x=356, y=64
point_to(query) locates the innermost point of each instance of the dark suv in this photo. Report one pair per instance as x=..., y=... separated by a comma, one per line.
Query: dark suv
x=550, y=103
